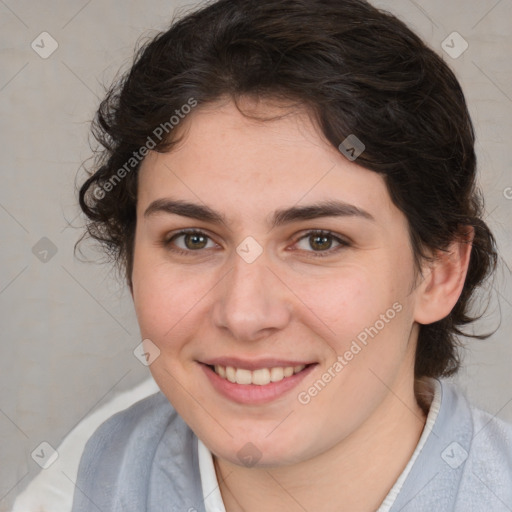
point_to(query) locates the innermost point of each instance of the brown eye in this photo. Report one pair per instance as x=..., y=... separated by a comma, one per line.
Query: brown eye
x=188, y=241
x=195, y=241
x=321, y=242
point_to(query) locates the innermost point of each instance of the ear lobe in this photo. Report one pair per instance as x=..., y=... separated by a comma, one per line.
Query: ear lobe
x=442, y=285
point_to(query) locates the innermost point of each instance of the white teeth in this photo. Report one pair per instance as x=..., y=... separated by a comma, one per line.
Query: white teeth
x=230, y=374
x=260, y=377
x=220, y=370
x=276, y=374
x=243, y=376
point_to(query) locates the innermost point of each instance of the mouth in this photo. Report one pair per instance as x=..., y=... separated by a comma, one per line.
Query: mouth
x=255, y=383
x=259, y=377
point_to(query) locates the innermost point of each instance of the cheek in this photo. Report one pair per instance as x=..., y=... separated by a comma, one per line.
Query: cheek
x=345, y=300
x=364, y=311
x=163, y=297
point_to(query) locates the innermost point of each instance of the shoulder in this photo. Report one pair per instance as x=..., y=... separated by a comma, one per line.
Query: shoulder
x=146, y=413
x=143, y=423
x=465, y=463
x=124, y=456
x=492, y=433
x=53, y=488
x=490, y=437
x=487, y=464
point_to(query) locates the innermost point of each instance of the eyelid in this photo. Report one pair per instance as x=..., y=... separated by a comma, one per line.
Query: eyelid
x=343, y=242
x=305, y=234
x=187, y=231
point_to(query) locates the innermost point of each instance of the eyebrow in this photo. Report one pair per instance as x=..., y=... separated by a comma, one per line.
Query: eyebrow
x=280, y=217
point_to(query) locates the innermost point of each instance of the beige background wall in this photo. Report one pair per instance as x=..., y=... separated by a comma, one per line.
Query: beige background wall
x=68, y=329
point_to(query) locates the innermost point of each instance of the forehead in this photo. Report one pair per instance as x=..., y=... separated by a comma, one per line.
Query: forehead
x=246, y=166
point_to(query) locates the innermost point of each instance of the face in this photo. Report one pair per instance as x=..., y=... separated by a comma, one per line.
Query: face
x=263, y=256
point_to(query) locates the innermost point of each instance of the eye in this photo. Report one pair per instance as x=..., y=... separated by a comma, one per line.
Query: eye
x=189, y=241
x=321, y=242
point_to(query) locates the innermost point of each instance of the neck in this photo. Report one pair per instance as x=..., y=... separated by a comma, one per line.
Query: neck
x=337, y=479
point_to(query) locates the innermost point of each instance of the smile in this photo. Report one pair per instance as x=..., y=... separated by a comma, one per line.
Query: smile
x=260, y=377
x=254, y=382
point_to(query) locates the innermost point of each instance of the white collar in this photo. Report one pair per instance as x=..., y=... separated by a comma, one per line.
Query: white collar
x=211, y=491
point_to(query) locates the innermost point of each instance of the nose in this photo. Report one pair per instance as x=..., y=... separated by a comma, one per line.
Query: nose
x=252, y=302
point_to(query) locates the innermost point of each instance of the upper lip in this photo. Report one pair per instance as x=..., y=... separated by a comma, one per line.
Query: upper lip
x=252, y=364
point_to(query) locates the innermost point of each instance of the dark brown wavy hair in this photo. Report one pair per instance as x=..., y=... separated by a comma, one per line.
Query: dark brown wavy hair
x=358, y=70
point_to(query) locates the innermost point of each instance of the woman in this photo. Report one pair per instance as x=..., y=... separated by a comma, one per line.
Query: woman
x=289, y=190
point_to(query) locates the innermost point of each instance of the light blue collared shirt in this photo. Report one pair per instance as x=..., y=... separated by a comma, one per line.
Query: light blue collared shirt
x=146, y=459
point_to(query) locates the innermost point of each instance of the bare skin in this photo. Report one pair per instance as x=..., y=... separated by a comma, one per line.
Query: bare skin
x=345, y=447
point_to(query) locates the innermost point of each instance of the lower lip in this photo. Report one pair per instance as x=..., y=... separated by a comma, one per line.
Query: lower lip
x=251, y=393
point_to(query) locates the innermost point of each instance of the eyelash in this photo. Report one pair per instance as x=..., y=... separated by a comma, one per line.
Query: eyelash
x=317, y=254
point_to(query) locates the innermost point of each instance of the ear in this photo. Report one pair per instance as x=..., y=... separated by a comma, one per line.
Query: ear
x=444, y=279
